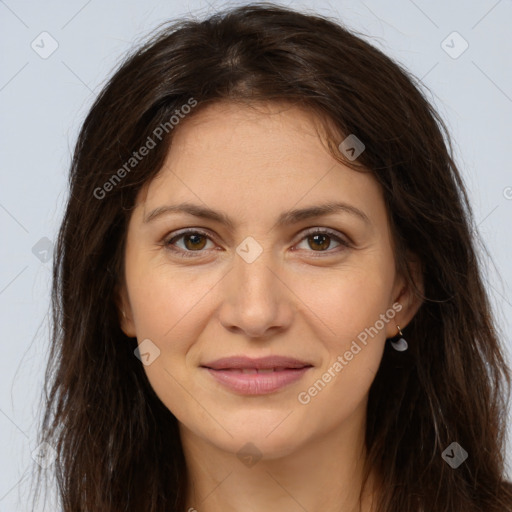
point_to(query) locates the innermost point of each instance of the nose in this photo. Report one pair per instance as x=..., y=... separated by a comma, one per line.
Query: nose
x=257, y=302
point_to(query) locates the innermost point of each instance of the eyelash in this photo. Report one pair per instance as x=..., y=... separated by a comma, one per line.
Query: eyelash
x=168, y=242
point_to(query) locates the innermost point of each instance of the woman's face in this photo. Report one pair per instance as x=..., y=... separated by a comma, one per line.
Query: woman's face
x=253, y=280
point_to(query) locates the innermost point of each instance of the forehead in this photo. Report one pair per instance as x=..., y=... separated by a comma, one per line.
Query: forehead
x=245, y=158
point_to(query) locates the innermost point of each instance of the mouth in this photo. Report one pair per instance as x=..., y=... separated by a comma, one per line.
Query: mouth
x=249, y=371
x=265, y=375
x=268, y=363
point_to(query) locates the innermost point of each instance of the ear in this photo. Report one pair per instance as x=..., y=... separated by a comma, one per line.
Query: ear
x=406, y=295
x=124, y=311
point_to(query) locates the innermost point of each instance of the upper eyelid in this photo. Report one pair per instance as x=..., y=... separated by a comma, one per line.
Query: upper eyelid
x=186, y=231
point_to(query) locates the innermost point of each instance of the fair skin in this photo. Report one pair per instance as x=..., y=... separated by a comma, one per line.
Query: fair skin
x=301, y=297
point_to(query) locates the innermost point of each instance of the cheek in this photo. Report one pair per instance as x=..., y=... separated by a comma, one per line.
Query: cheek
x=354, y=345
x=349, y=300
x=164, y=300
x=170, y=308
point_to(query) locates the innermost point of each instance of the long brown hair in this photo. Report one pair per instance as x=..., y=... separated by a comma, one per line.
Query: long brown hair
x=118, y=447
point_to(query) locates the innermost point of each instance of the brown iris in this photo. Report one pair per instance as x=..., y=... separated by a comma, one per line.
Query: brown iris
x=324, y=245
x=194, y=241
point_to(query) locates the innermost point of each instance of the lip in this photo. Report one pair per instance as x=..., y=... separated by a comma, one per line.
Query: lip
x=242, y=374
x=243, y=362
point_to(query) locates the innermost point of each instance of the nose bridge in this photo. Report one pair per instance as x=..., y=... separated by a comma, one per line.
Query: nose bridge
x=252, y=271
x=255, y=299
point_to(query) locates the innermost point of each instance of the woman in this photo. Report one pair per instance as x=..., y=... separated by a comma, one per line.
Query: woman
x=266, y=288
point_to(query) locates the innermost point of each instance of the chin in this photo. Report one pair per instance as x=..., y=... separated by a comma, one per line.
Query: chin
x=267, y=443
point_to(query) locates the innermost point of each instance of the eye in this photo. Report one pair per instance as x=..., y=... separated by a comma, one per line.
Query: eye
x=194, y=241
x=320, y=240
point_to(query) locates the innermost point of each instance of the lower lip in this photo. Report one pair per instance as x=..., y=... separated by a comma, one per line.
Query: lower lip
x=257, y=383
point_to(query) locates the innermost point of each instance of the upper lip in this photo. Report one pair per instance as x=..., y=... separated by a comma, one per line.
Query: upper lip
x=243, y=362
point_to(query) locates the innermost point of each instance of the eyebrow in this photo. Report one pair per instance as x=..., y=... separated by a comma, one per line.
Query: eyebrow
x=286, y=218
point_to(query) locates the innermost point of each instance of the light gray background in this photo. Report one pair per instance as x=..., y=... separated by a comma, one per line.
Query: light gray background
x=44, y=101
